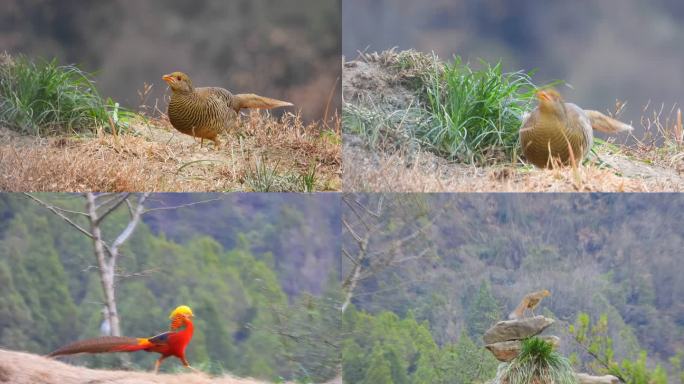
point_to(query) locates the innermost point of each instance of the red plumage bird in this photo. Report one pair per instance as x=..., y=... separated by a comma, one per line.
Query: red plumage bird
x=172, y=343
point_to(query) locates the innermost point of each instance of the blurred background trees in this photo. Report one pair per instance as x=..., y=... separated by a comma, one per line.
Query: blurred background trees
x=284, y=49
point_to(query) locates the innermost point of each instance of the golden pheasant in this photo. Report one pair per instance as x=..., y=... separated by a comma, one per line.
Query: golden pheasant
x=551, y=129
x=172, y=343
x=210, y=111
x=529, y=302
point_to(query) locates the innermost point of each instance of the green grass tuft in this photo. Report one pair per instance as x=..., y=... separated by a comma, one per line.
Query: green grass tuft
x=537, y=363
x=477, y=114
x=266, y=178
x=43, y=98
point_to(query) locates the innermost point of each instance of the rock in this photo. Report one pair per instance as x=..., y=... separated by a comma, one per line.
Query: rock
x=507, y=350
x=588, y=379
x=516, y=329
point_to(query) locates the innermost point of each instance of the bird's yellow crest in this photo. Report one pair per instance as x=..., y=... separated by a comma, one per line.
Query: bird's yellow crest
x=180, y=311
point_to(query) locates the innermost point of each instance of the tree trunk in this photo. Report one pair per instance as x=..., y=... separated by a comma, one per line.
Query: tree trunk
x=106, y=267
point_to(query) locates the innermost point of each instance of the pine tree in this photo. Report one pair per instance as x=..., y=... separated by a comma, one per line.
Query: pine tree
x=379, y=370
x=482, y=312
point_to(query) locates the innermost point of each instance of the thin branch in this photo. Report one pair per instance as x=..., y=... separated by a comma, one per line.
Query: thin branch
x=350, y=257
x=60, y=214
x=181, y=205
x=128, y=231
x=69, y=211
x=111, y=209
x=113, y=197
x=351, y=231
x=374, y=214
x=356, y=213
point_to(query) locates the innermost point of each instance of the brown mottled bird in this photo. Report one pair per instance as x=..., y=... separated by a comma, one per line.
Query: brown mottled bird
x=551, y=129
x=529, y=302
x=209, y=111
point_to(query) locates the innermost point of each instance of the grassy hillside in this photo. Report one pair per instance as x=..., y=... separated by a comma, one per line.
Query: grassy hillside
x=59, y=134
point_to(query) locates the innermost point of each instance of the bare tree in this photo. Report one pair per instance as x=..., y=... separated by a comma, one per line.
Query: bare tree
x=382, y=231
x=98, y=207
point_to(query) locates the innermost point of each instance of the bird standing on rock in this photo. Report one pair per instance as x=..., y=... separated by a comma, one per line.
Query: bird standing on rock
x=554, y=127
x=209, y=111
x=528, y=303
x=172, y=343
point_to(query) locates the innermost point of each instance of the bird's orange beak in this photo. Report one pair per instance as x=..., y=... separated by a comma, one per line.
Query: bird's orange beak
x=543, y=96
x=167, y=78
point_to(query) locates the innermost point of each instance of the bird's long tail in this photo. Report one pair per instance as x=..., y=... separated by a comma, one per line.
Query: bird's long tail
x=603, y=123
x=250, y=100
x=102, y=345
x=519, y=311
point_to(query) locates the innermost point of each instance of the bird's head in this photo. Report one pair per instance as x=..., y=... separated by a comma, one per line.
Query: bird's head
x=546, y=293
x=180, y=316
x=550, y=101
x=178, y=82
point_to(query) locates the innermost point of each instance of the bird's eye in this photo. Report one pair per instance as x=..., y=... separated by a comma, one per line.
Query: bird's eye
x=178, y=78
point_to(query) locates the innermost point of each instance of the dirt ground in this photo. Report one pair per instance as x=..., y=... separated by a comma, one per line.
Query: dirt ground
x=394, y=165
x=269, y=155
x=25, y=368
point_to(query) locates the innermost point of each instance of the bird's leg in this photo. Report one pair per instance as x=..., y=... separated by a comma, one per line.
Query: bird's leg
x=201, y=142
x=187, y=365
x=158, y=363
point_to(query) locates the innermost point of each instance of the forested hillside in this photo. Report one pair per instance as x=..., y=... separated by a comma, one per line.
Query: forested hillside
x=441, y=269
x=51, y=293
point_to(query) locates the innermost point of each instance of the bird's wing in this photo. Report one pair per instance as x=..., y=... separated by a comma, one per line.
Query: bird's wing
x=160, y=339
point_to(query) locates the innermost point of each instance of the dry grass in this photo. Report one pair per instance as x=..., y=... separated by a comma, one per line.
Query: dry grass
x=378, y=172
x=272, y=154
x=25, y=368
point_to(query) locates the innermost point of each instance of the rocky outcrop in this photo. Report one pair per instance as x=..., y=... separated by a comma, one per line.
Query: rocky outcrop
x=507, y=350
x=504, y=341
x=516, y=329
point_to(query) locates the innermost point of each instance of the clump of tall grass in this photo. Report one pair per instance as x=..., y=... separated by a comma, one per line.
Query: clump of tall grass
x=44, y=98
x=476, y=114
x=537, y=363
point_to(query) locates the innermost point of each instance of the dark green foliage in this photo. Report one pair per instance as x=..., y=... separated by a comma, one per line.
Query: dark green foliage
x=43, y=98
x=483, y=312
x=403, y=349
x=595, y=341
x=310, y=331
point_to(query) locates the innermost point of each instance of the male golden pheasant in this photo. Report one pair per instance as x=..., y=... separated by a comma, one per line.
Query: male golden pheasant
x=554, y=127
x=208, y=112
x=172, y=343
